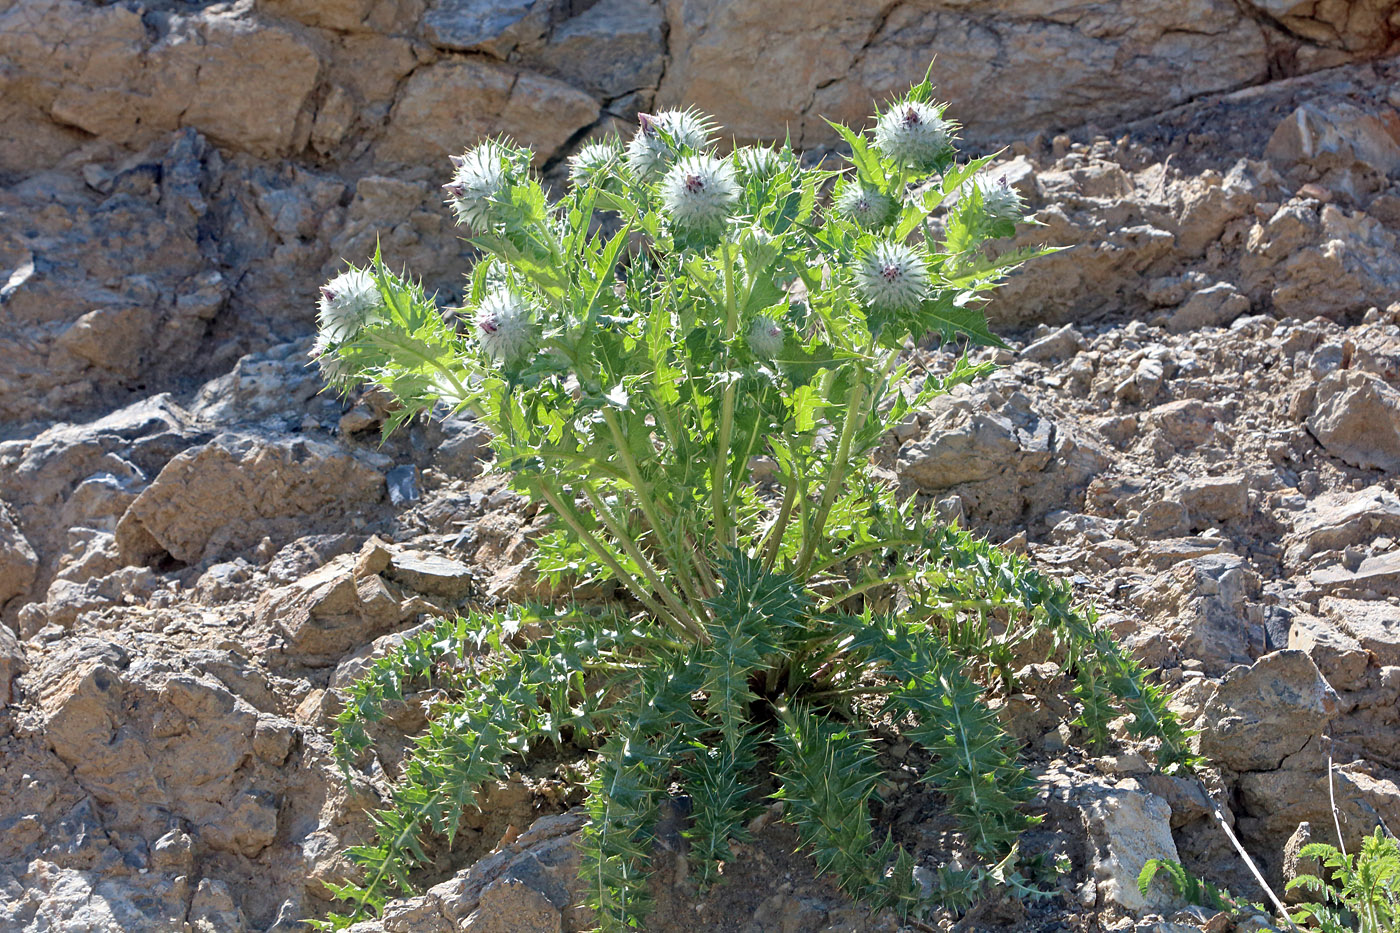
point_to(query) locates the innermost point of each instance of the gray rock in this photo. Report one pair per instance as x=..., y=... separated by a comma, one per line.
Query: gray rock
x=613, y=48
x=496, y=26
x=1339, y=657
x=432, y=574
x=1339, y=520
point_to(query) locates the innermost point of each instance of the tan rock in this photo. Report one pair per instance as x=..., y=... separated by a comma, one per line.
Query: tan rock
x=452, y=105
x=1374, y=624
x=762, y=59
x=1357, y=418
x=18, y=562
x=227, y=495
x=242, y=83
x=1338, y=656
x=1264, y=713
x=1354, y=25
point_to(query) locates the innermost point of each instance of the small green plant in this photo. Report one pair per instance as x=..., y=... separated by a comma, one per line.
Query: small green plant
x=634, y=348
x=1364, y=894
x=1191, y=889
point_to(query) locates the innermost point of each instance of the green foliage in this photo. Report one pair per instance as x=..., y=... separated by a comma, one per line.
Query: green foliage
x=632, y=348
x=1364, y=893
x=1189, y=888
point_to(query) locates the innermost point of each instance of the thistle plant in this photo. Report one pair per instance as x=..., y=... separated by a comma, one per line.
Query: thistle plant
x=635, y=345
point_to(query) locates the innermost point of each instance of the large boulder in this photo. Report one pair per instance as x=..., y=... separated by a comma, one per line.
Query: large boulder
x=225, y=496
x=1357, y=418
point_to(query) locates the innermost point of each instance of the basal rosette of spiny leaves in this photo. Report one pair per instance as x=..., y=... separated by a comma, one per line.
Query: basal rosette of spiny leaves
x=633, y=347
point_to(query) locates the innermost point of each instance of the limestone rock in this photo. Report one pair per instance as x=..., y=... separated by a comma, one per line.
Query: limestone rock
x=1128, y=826
x=1357, y=418
x=225, y=496
x=431, y=574
x=1261, y=714
x=613, y=48
x=1343, y=146
x=12, y=662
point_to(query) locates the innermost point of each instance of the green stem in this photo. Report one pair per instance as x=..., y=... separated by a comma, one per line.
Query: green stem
x=865, y=587
x=835, y=475
x=720, y=471
x=642, y=491
x=773, y=539
x=682, y=614
x=574, y=521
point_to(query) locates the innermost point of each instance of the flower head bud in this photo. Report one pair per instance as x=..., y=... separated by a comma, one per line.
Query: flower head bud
x=348, y=302
x=481, y=176
x=913, y=132
x=761, y=162
x=505, y=325
x=892, y=277
x=649, y=154
x=1000, y=201
x=593, y=160
x=699, y=192
x=765, y=337
x=333, y=367
x=864, y=204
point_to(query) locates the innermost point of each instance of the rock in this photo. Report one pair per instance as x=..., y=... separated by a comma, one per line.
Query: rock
x=1294, y=865
x=1215, y=306
x=1354, y=27
x=762, y=59
x=18, y=563
x=227, y=495
x=12, y=662
x=1215, y=499
x=431, y=574
x=1339, y=657
x=494, y=26
x=1373, y=577
x=1375, y=625
x=544, y=859
x=213, y=908
x=1128, y=826
x=1261, y=714
x=1339, y=520
x=1340, y=143
x=334, y=610
x=1271, y=804
x=612, y=49
x=510, y=906
x=429, y=123
x=1357, y=418
x=1056, y=345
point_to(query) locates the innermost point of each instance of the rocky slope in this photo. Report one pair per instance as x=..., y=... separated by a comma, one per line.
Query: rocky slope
x=1200, y=423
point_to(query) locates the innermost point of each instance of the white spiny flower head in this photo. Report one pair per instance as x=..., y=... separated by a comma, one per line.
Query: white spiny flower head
x=864, y=204
x=648, y=152
x=593, y=159
x=699, y=192
x=892, y=277
x=348, y=302
x=333, y=368
x=505, y=325
x=913, y=131
x=765, y=337
x=1000, y=201
x=481, y=175
x=761, y=162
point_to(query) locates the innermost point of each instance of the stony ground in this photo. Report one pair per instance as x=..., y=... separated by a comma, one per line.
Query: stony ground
x=1199, y=423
